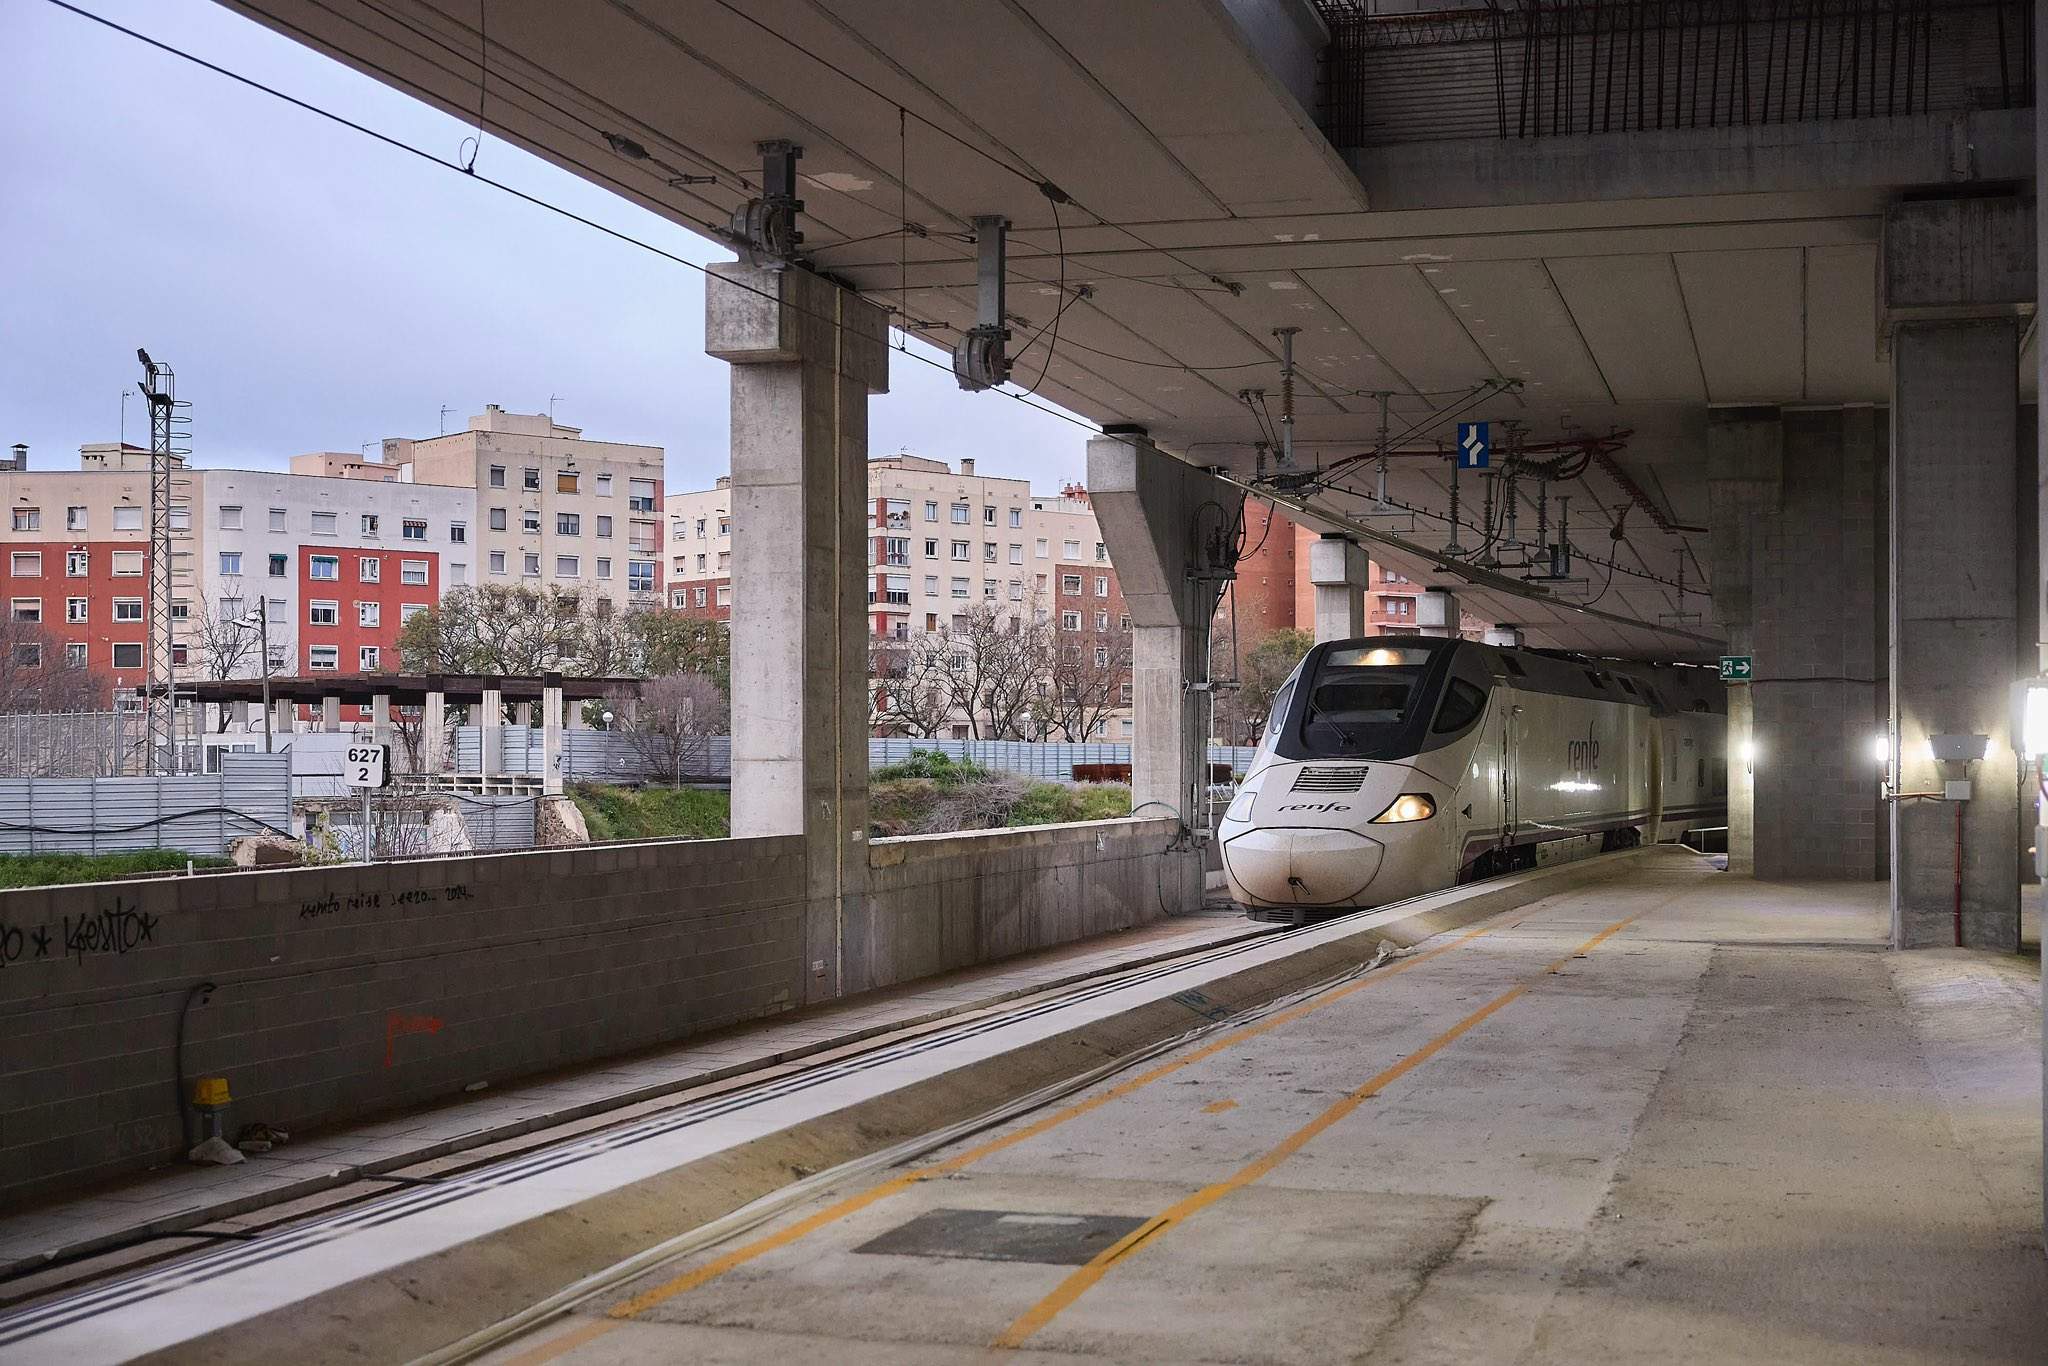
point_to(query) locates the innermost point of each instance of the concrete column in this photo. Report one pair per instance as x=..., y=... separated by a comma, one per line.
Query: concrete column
x=1956, y=274
x=380, y=718
x=805, y=356
x=551, y=735
x=434, y=732
x=490, y=722
x=522, y=714
x=1339, y=570
x=1436, y=613
x=330, y=715
x=1160, y=519
x=243, y=711
x=284, y=717
x=574, y=717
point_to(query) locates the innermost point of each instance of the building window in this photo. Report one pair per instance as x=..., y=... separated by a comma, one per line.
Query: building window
x=407, y=611
x=988, y=588
x=1101, y=553
x=725, y=595
x=370, y=524
x=962, y=514
x=326, y=523
x=895, y=550
x=29, y=654
x=931, y=550
x=1070, y=621
x=988, y=516
x=28, y=519
x=1016, y=517
x=74, y=519
x=640, y=498
x=181, y=519
x=77, y=563
x=1016, y=554
x=412, y=529
x=26, y=564
x=567, y=567
x=497, y=476
x=280, y=565
x=412, y=571
x=1102, y=621
x=896, y=589
x=931, y=585
x=128, y=564
x=127, y=519
x=604, y=486
x=497, y=519
x=369, y=614
x=1123, y=623
x=1070, y=583
x=529, y=521
x=700, y=564
x=75, y=609
x=75, y=654
x=230, y=518
x=960, y=550
x=369, y=658
x=1040, y=548
x=181, y=610
x=530, y=565
x=27, y=609
x=128, y=655
x=277, y=519
x=565, y=481
x=230, y=563
x=323, y=614
x=604, y=528
x=700, y=528
x=604, y=566
x=369, y=569
x=568, y=524
x=1070, y=550
x=959, y=588
x=127, y=609
x=530, y=478
x=931, y=511
x=1102, y=585
x=497, y=562
x=323, y=567
x=458, y=532
x=230, y=608
x=988, y=552
x=700, y=595
x=1102, y=656
x=323, y=658
x=640, y=576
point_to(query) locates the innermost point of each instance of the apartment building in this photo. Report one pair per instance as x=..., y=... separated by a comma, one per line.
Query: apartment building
x=76, y=560
x=700, y=551
x=553, y=509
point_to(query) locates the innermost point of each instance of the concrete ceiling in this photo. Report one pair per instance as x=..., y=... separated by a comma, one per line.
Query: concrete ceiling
x=1206, y=210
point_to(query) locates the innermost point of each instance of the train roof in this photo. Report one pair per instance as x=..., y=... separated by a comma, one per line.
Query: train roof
x=1667, y=690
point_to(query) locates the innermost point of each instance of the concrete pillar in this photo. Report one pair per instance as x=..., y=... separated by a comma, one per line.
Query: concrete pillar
x=434, y=732
x=1339, y=570
x=1160, y=520
x=522, y=714
x=1436, y=613
x=330, y=715
x=380, y=719
x=243, y=711
x=490, y=720
x=575, y=719
x=1956, y=275
x=284, y=717
x=551, y=735
x=805, y=356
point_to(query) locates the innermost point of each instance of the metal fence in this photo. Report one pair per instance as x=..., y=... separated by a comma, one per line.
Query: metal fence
x=72, y=744
x=196, y=813
x=1037, y=759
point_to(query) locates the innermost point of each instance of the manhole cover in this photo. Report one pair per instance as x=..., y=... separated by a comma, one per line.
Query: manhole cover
x=997, y=1235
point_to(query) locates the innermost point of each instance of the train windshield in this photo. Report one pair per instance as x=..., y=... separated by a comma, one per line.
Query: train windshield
x=1365, y=702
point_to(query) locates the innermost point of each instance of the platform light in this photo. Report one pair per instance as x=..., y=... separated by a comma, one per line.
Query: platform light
x=1746, y=751
x=1881, y=748
x=2034, y=718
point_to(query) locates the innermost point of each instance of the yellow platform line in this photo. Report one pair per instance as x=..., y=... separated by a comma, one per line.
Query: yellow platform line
x=1084, y=1278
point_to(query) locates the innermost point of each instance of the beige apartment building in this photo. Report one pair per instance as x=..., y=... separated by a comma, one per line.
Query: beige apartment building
x=552, y=507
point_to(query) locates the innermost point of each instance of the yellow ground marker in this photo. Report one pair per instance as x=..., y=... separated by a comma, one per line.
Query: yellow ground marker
x=1084, y=1278
x=1217, y=1107
x=831, y=1214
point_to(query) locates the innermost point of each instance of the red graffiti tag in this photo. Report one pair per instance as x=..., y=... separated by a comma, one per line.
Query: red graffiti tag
x=397, y=1023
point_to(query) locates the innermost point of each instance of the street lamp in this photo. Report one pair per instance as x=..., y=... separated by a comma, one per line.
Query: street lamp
x=262, y=625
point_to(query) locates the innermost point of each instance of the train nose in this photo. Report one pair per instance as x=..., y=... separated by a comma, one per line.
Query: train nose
x=1302, y=867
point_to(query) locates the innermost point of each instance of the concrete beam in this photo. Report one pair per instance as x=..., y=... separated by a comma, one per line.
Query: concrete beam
x=805, y=356
x=1338, y=568
x=1167, y=526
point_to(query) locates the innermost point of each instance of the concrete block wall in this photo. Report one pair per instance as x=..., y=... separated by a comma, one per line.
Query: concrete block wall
x=940, y=902
x=348, y=990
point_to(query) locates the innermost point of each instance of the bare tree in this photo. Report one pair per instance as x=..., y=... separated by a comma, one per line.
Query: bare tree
x=38, y=674
x=993, y=667
x=676, y=718
x=1089, y=673
x=910, y=686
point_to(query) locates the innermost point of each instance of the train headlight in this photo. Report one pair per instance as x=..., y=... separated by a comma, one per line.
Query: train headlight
x=1409, y=806
x=1240, y=808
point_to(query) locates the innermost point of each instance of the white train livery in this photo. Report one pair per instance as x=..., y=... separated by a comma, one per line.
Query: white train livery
x=1398, y=765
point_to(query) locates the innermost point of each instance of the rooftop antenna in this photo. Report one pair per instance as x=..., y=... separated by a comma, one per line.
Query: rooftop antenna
x=170, y=431
x=551, y=408
x=126, y=394
x=445, y=410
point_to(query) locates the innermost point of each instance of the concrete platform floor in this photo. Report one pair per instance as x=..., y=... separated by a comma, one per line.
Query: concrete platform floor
x=1680, y=1118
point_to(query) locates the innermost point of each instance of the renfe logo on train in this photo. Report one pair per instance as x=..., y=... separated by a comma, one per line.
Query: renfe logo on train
x=1582, y=757
x=1317, y=806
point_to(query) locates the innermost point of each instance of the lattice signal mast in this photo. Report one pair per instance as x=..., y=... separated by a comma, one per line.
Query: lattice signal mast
x=170, y=437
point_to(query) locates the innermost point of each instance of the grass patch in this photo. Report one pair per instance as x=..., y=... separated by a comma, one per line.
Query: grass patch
x=653, y=813
x=932, y=766
x=51, y=870
x=923, y=806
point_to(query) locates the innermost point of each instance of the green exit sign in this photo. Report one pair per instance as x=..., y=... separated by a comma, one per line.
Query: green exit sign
x=1737, y=668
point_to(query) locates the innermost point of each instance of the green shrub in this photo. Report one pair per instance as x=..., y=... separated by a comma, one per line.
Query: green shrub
x=934, y=765
x=653, y=813
x=48, y=870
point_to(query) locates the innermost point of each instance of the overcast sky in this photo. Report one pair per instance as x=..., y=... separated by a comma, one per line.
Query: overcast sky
x=316, y=290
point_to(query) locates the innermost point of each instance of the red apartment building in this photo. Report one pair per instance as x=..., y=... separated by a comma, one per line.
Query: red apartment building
x=355, y=601
x=91, y=597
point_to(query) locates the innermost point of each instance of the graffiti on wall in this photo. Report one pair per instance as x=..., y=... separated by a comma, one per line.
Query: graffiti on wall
x=114, y=930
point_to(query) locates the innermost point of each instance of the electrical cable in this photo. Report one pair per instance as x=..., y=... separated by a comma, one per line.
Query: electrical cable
x=483, y=76
x=516, y=193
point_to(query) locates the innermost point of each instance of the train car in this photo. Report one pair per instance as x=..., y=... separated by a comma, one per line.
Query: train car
x=1398, y=765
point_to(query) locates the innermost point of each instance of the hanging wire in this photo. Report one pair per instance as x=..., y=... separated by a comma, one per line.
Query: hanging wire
x=483, y=75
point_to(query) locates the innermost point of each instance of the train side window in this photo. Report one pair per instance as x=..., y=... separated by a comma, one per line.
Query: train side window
x=1513, y=667
x=1461, y=706
x=1280, y=701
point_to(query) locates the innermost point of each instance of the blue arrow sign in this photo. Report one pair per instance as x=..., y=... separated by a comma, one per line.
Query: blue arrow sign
x=1475, y=446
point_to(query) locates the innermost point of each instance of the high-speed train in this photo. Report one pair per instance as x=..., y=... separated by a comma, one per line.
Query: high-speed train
x=1397, y=765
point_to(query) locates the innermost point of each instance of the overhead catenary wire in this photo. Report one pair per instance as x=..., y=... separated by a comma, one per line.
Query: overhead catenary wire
x=501, y=186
